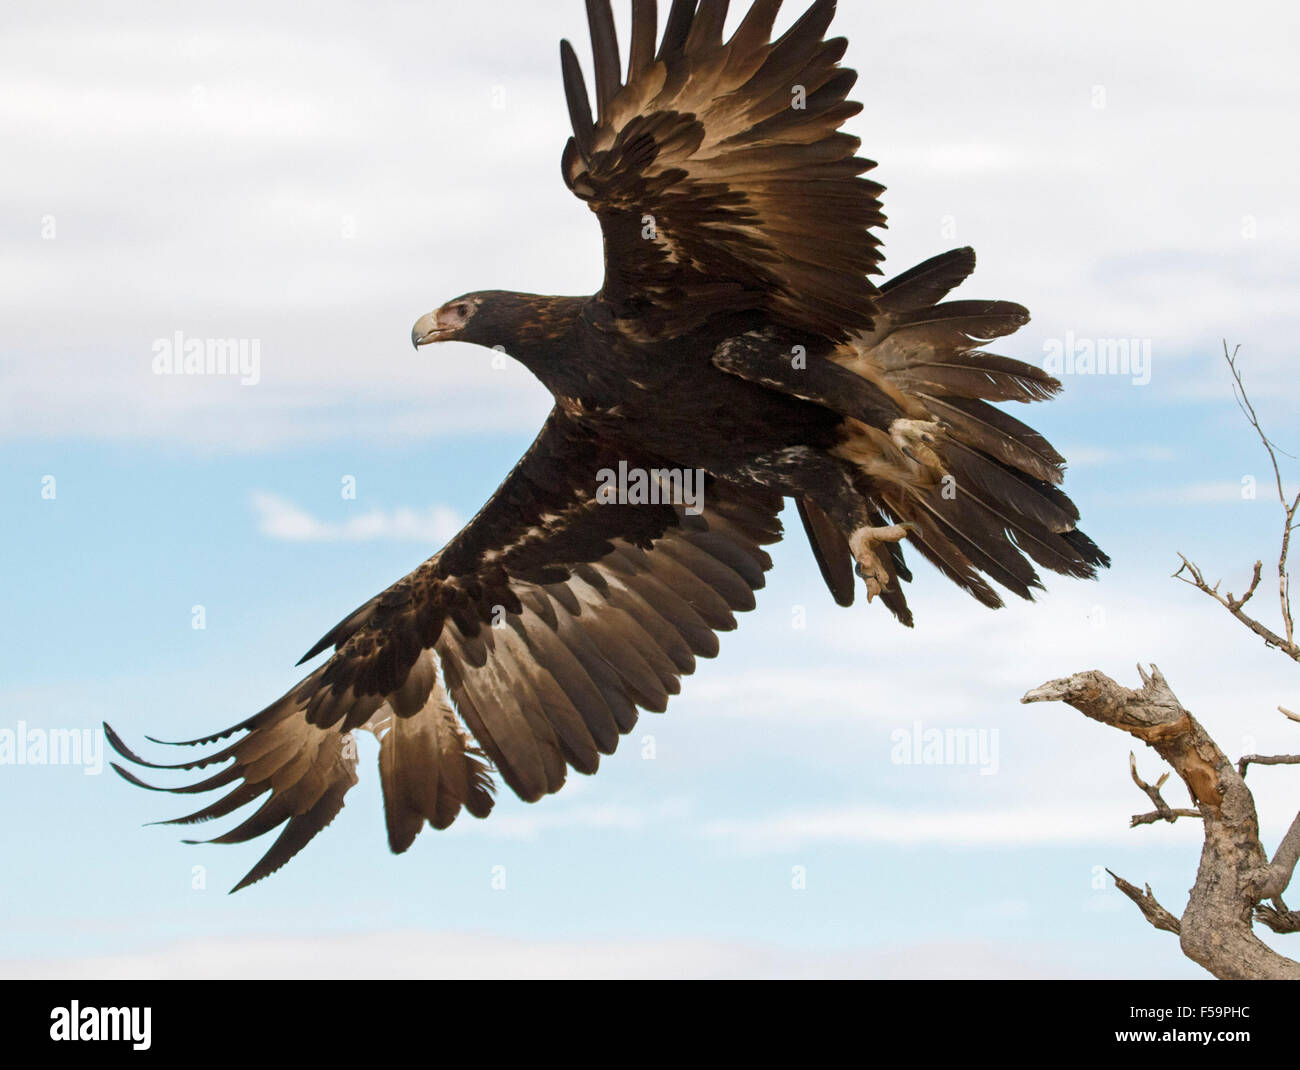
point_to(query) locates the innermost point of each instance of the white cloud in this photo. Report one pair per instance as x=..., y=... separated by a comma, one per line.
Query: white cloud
x=1202, y=493
x=279, y=518
x=1060, y=779
x=347, y=188
x=1218, y=492
x=531, y=824
x=1023, y=827
x=416, y=955
x=1088, y=456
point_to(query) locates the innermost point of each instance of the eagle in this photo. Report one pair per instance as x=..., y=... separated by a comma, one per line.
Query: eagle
x=739, y=354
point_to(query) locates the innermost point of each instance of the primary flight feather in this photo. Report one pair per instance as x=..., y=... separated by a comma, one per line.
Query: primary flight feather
x=738, y=337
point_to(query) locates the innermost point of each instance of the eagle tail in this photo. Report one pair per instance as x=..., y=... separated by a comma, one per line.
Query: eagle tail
x=977, y=487
x=927, y=445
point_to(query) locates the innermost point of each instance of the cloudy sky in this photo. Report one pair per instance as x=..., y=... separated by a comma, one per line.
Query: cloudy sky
x=312, y=186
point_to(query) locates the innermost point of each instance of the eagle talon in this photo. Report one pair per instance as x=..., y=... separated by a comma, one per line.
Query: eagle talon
x=915, y=439
x=863, y=543
x=873, y=581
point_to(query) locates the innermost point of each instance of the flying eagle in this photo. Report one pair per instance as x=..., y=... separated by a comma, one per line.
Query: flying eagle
x=738, y=336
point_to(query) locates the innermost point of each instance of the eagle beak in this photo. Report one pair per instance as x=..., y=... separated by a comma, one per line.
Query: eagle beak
x=426, y=330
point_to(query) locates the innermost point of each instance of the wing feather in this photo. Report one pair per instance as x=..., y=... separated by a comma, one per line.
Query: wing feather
x=604, y=47
x=645, y=28
x=720, y=175
x=541, y=674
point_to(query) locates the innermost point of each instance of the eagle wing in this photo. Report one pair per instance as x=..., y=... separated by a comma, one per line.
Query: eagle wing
x=554, y=617
x=719, y=173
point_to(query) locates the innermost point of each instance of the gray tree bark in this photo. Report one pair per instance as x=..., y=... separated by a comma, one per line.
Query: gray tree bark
x=1235, y=874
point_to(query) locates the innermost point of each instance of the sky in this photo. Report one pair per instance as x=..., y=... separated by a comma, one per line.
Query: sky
x=172, y=544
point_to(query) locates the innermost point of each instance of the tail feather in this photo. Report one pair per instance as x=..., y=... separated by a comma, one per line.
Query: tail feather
x=1087, y=549
x=831, y=549
x=975, y=471
x=977, y=375
x=983, y=427
x=935, y=546
x=1047, y=548
x=925, y=444
x=982, y=540
x=982, y=493
x=928, y=283
x=956, y=324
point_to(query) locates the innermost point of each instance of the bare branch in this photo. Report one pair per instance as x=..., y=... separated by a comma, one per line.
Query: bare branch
x=1244, y=403
x=1235, y=604
x=1266, y=759
x=1280, y=921
x=1146, y=902
x=1289, y=507
x=1163, y=811
x=1196, y=579
x=1171, y=815
x=1282, y=867
x=1271, y=759
x=1235, y=874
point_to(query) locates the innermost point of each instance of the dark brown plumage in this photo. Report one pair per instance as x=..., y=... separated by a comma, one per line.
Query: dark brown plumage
x=738, y=334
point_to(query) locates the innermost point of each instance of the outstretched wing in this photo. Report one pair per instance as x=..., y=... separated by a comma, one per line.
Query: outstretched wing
x=554, y=616
x=719, y=172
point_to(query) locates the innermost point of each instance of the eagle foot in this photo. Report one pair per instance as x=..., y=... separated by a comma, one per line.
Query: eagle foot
x=916, y=440
x=863, y=543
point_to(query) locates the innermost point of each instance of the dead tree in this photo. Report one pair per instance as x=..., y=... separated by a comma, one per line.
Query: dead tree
x=1236, y=883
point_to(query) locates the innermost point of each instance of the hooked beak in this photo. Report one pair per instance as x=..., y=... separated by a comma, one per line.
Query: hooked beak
x=426, y=330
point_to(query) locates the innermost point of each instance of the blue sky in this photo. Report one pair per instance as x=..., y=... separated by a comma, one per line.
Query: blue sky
x=225, y=171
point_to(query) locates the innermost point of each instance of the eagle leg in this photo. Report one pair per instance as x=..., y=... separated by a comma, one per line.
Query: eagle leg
x=806, y=473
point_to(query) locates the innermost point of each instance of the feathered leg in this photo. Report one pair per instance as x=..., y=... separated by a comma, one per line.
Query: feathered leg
x=805, y=473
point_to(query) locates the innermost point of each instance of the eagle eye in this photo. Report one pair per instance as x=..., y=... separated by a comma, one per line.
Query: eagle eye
x=455, y=315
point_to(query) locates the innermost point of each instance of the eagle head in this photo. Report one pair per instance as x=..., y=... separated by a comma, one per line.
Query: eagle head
x=450, y=323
